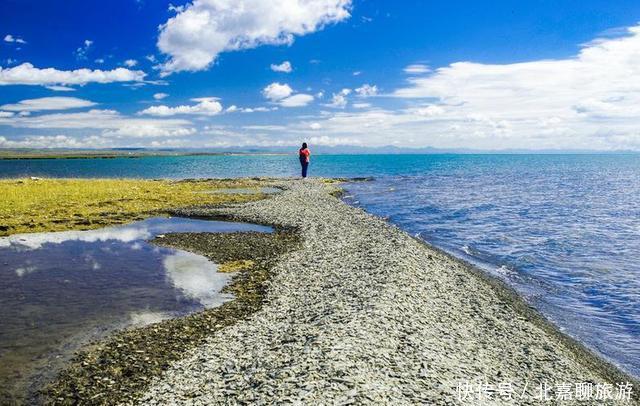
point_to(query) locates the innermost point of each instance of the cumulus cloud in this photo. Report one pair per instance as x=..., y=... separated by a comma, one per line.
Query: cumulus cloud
x=207, y=106
x=160, y=96
x=592, y=99
x=27, y=74
x=283, y=95
x=367, y=90
x=416, y=69
x=48, y=103
x=589, y=101
x=297, y=100
x=11, y=38
x=284, y=67
x=276, y=91
x=203, y=29
x=339, y=100
x=130, y=63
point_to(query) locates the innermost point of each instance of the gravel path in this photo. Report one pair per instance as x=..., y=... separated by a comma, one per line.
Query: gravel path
x=366, y=314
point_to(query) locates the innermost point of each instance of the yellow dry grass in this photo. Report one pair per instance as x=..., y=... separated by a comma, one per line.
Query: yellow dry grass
x=28, y=205
x=235, y=266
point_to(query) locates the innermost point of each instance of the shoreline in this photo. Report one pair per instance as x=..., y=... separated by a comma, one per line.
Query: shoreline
x=586, y=355
x=208, y=361
x=112, y=154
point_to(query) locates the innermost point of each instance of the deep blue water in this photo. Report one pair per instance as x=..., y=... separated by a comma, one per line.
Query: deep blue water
x=564, y=230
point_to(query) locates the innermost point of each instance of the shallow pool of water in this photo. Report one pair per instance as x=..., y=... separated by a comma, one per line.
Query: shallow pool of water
x=59, y=290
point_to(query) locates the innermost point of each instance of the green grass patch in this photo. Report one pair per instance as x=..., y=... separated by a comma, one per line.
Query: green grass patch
x=29, y=205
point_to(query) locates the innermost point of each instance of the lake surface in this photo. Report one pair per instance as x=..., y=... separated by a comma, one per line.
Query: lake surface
x=59, y=290
x=564, y=230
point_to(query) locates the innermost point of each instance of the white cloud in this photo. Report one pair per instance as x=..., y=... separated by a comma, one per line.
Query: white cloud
x=283, y=95
x=208, y=106
x=593, y=99
x=333, y=141
x=176, y=9
x=61, y=88
x=276, y=91
x=27, y=74
x=6, y=114
x=258, y=109
x=297, y=100
x=233, y=108
x=53, y=141
x=48, y=103
x=431, y=110
x=130, y=63
x=357, y=73
x=590, y=101
x=339, y=100
x=81, y=52
x=361, y=105
x=283, y=67
x=367, y=90
x=205, y=28
x=99, y=60
x=105, y=122
x=11, y=38
x=160, y=96
x=416, y=69
x=148, y=131
x=315, y=126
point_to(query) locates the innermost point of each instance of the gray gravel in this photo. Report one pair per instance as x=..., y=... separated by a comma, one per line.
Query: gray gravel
x=364, y=313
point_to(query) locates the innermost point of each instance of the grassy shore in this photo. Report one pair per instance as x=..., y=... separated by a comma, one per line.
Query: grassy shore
x=29, y=205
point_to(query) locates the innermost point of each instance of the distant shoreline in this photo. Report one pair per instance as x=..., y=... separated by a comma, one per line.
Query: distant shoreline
x=61, y=153
x=119, y=154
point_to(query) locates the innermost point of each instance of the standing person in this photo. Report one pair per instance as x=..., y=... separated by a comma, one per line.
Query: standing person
x=304, y=155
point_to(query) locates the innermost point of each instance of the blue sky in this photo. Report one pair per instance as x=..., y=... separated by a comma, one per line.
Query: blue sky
x=217, y=73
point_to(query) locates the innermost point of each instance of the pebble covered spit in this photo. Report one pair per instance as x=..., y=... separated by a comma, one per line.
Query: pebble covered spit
x=364, y=313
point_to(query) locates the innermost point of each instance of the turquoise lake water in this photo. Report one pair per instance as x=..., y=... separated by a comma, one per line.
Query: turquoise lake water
x=564, y=230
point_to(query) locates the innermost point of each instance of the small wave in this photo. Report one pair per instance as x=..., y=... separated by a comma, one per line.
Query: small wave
x=504, y=270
